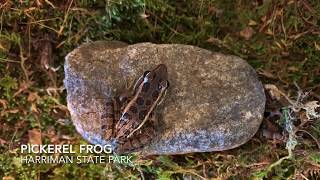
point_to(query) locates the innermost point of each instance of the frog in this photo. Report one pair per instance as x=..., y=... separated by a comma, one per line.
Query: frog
x=129, y=119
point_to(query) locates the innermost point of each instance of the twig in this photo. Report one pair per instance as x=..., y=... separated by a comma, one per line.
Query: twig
x=303, y=18
x=23, y=59
x=257, y=164
x=8, y=60
x=279, y=162
x=14, y=134
x=315, y=95
x=304, y=177
x=191, y=172
x=315, y=139
x=65, y=19
x=141, y=173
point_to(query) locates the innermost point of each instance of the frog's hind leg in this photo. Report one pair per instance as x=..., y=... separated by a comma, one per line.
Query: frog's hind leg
x=138, y=141
x=142, y=137
x=109, y=118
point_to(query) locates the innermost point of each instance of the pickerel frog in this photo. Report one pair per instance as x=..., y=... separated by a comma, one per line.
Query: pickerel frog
x=129, y=118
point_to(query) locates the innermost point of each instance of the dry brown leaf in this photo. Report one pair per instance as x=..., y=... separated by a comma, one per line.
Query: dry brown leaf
x=278, y=44
x=266, y=73
x=23, y=86
x=54, y=90
x=33, y=96
x=8, y=178
x=214, y=41
x=35, y=137
x=38, y=3
x=285, y=53
x=317, y=46
x=34, y=108
x=66, y=137
x=144, y=15
x=274, y=91
x=293, y=69
x=64, y=122
x=52, y=135
x=247, y=33
x=252, y=23
x=13, y=111
x=269, y=32
x=4, y=103
x=2, y=142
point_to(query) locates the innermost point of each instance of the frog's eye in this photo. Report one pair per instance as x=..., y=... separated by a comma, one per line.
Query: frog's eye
x=163, y=85
x=146, y=73
x=125, y=117
x=167, y=84
x=123, y=99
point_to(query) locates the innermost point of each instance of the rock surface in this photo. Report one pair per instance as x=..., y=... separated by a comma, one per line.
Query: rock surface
x=215, y=102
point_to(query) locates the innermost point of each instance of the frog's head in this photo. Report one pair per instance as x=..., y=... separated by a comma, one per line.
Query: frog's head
x=156, y=79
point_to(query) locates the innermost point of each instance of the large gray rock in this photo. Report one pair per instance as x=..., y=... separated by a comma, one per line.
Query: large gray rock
x=215, y=102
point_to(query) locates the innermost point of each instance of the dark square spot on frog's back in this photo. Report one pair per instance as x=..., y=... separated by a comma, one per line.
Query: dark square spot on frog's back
x=144, y=140
x=133, y=109
x=142, y=114
x=148, y=102
x=134, y=142
x=155, y=95
x=140, y=101
x=154, y=75
x=126, y=133
x=109, y=103
x=107, y=115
